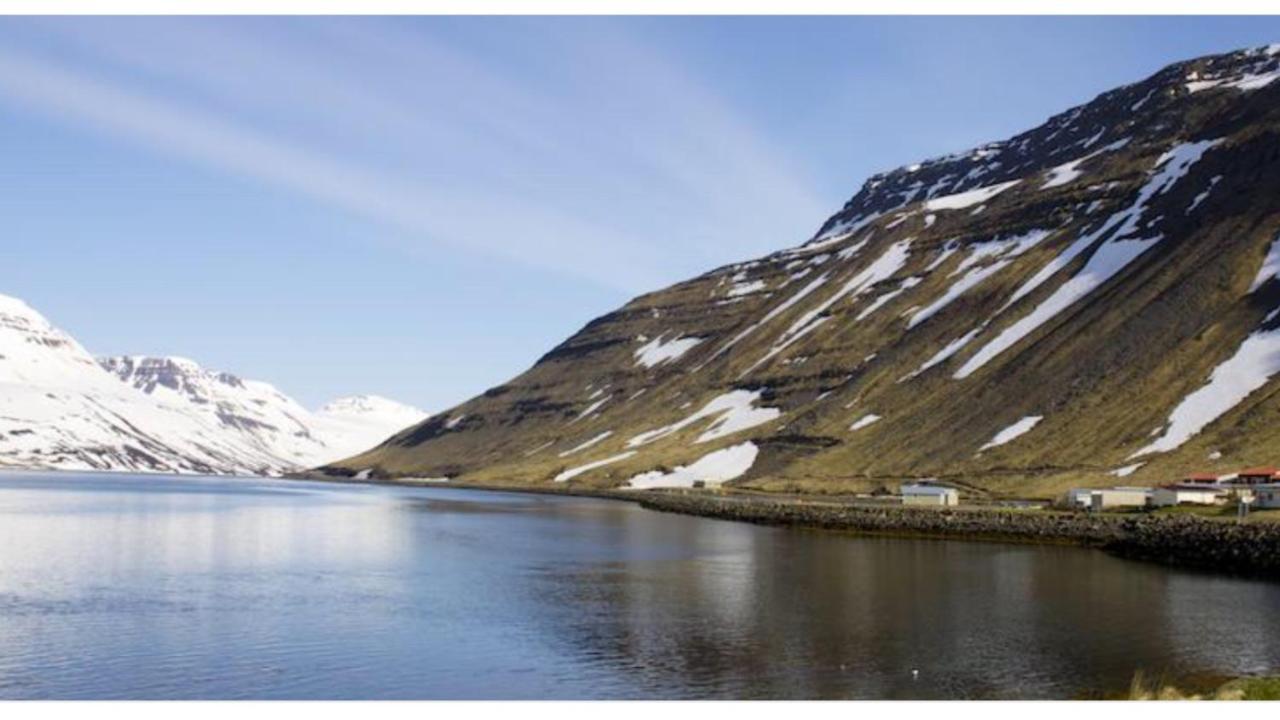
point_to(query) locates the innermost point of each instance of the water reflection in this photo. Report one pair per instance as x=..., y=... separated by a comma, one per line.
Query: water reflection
x=152, y=587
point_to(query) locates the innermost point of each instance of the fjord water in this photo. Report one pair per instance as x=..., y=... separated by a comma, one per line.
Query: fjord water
x=116, y=586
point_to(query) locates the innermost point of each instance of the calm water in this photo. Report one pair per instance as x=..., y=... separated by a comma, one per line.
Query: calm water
x=143, y=587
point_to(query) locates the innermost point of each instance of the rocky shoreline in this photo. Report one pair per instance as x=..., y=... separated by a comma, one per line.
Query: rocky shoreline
x=1221, y=546
x=1183, y=541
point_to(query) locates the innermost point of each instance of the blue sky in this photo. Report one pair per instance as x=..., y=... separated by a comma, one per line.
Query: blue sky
x=421, y=207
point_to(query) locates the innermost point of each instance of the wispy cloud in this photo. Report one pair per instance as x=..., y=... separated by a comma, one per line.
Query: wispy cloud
x=580, y=151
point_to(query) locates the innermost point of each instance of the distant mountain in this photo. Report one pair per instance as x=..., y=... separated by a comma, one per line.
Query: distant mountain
x=359, y=422
x=61, y=408
x=1090, y=300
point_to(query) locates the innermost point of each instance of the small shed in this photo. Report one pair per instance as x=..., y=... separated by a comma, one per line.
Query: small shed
x=1188, y=494
x=1198, y=479
x=927, y=494
x=1119, y=497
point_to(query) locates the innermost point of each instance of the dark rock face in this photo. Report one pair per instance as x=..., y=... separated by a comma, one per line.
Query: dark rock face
x=1085, y=277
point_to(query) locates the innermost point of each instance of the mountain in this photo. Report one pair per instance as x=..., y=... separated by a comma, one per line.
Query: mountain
x=359, y=422
x=60, y=408
x=1090, y=300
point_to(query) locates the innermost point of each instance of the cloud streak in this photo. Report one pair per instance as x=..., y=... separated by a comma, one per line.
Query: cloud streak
x=597, y=158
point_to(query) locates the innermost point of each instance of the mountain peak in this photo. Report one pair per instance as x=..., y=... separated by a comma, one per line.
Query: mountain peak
x=1134, y=111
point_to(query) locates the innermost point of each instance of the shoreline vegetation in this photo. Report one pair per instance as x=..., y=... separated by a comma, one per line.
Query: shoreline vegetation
x=1178, y=539
x=1142, y=687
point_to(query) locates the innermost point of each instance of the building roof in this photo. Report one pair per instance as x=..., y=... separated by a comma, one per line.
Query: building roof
x=1193, y=488
x=920, y=489
x=1261, y=470
x=1200, y=477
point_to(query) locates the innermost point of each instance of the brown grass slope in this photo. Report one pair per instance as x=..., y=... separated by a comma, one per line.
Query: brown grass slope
x=1104, y=372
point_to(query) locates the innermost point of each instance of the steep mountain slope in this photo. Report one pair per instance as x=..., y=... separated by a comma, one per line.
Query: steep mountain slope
x=62, y=409
x=1092, y=299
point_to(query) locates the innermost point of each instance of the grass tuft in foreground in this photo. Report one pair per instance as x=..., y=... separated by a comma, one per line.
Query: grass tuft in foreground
x=1258, y=688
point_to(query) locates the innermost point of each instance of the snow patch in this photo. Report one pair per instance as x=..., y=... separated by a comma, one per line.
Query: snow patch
x=969, y=198
x=733, y=412
x=1014, y=431
x=1270, y=266
x=864, y=421
x=1127, y=470
x=1252, y=365
x=575, y=472
x=591, y=408
x=713, y=469
x=1070, y=171
x=656, y=352
x=587, y=443
x=951, y=348
x=745, y=288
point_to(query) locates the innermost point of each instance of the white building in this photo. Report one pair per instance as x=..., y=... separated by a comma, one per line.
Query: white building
x=1106, y=498
x=1171, y=495
x=922, y=494
x=1266, y=496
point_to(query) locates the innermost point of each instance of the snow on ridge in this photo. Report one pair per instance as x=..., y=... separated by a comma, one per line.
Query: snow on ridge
x=656, y=352
x=968, y=198
x=732, y=412
x=841, y=231
x=1261, y=72
x=1270, y=266
x=1253, y=364
x=586, y=444
x=575, y=472
x=1014, y=431
x=713, y=469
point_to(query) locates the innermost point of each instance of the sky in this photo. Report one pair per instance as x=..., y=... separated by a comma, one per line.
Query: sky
x=421, y=207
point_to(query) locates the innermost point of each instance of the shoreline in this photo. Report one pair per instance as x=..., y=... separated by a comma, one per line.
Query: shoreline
x=1218, y=546
x=1182, y=541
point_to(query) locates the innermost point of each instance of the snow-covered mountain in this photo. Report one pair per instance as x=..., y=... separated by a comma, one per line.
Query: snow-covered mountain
x=359, y=422
x=61, y=408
